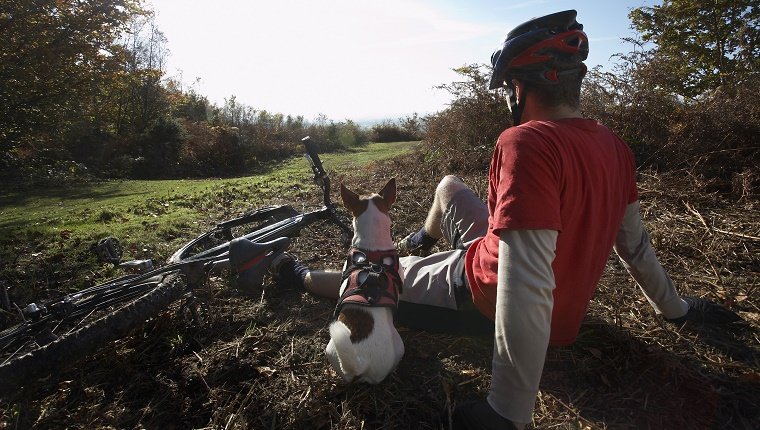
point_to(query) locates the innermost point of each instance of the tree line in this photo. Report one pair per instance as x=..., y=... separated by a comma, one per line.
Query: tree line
x=85, y=93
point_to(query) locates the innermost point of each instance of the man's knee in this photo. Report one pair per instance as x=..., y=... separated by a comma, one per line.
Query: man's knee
x=448, y=186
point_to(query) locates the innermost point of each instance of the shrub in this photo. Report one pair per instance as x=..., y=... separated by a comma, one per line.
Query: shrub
x=462, y=136
x=712, y=136
x=158, y=150
x=639, y=114
x=212, y=151
x=406, y=129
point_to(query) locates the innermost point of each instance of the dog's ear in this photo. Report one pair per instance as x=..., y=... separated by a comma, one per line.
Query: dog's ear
x=389, y=192
x=351, y=201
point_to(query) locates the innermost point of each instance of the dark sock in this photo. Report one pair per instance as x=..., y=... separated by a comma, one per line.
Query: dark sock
x=423, y=240
x=293, y=273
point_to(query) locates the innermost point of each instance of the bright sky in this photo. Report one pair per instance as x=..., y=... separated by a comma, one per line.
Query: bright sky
x=356, y=59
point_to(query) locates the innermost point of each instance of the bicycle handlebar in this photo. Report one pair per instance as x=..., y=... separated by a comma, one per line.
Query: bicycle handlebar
x=320, y=176
x=313, y=156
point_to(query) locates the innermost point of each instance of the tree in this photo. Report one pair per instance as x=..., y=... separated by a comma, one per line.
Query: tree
x=701, y=46
x=54, y=56
x=142, y=99
x=189, y=105
x=412, y=126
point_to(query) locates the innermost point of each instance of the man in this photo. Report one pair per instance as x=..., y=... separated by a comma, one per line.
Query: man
x=562, y=192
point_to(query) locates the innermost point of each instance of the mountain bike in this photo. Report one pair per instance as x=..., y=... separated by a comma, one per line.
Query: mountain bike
x=53, y=335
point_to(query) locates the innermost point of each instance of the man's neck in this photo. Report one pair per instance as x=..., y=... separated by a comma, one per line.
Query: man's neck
x=536, y=112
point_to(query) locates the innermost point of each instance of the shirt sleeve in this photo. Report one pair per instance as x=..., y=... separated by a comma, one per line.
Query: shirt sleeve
x=523, y=320
x=525, y=171
x=634, y=248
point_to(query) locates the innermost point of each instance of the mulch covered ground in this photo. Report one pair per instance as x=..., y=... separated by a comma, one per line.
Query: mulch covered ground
x=256, y=359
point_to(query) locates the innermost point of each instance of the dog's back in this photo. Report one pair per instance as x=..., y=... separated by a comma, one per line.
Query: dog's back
x=364, y=343
x=371, y=358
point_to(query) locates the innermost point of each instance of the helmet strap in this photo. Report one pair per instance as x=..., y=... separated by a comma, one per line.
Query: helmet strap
x=514, y=106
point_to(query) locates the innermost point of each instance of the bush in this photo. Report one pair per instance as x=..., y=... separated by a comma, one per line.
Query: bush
x=711, y=136
x=638, y=114
x=462, y=137
x=158, y=150
x=716, y=138
x=390, y=131
x=212, y=151
x=350, y=134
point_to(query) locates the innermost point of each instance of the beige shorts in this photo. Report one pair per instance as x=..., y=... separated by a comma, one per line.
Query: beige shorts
x=436, y=296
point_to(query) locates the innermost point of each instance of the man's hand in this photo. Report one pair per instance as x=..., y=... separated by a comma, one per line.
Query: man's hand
x=703, y=311
x=479, y=415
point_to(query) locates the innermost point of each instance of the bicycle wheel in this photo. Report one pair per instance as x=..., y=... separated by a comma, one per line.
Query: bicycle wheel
x=66, y=313
x=42, y=361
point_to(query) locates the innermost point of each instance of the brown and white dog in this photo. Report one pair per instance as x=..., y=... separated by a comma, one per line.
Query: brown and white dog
x=364, y=343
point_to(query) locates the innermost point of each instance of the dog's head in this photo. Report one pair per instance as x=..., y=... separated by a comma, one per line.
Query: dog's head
x=372, y=225
x=359, y=205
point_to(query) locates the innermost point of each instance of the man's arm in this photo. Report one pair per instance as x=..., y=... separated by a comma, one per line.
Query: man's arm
x=523, y=320
x=635, y=251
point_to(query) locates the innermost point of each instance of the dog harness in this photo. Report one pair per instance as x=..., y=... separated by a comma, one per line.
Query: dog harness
x=371, y=282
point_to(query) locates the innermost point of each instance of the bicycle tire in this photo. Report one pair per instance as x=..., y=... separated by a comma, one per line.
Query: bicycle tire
x=74, y=346
x=67, y=309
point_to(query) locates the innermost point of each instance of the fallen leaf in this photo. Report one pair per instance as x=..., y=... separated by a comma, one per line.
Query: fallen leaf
x=265, y=370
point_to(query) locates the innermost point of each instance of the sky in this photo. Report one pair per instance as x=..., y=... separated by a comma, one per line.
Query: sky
x=356, y=59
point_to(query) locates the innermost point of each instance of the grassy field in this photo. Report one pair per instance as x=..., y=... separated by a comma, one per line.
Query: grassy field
x=151, y=217
x=123, y=208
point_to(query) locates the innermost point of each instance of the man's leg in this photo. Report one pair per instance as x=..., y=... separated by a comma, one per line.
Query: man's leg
x=458, y=215
x=431, y=232
x=445, y=190
x=436, y=296
x=324, y=283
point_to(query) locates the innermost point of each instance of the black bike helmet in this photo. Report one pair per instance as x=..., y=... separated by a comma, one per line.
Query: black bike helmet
x=541, y=51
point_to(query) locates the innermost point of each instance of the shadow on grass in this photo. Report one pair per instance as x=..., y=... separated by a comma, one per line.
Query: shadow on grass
x=96, y=191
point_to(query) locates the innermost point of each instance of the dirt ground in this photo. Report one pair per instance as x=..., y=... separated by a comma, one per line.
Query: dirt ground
x=256, y=359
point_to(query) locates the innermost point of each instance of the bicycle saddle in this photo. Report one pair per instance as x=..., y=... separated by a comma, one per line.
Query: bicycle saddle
x=252, y=259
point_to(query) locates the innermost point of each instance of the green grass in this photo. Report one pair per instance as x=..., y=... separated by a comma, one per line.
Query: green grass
x=150, y=218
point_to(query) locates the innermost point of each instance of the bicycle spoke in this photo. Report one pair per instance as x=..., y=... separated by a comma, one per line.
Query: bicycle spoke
x=80, y=322
x=15, y=352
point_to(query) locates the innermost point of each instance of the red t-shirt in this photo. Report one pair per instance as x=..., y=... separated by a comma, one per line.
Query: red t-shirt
x=574, y=176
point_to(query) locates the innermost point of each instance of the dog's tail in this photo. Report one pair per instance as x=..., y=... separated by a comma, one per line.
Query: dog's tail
x=350, y=363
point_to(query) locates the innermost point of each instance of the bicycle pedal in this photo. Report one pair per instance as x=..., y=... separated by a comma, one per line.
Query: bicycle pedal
x=140, y=266
x=108, y=250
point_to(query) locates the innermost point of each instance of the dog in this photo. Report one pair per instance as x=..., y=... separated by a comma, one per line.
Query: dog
x=364, y=343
